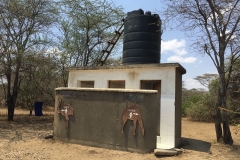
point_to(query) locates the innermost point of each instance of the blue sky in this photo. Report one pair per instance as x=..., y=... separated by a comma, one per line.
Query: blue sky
x=175, y=46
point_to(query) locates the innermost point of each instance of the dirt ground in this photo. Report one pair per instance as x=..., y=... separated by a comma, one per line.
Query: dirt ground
x=24, y=139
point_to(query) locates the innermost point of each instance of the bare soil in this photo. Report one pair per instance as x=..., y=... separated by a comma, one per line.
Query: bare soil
x=24, y=139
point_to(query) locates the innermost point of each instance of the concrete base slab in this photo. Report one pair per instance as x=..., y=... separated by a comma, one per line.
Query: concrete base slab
x=167, y=152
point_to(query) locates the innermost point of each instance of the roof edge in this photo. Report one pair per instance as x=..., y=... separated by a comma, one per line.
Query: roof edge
x=130, y=66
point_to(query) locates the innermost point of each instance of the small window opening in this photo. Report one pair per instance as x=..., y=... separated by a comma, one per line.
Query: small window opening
x=116, y=84
x=86, y=84
x=151, y=84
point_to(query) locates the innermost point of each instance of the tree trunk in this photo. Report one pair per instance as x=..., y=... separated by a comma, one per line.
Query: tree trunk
x=30, y=113
x=222, y=101
x=227, y=137
x=11, y=107
x=218, y=126
x=10, y=112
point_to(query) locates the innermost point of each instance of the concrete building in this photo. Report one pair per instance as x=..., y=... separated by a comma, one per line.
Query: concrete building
x=160, y=90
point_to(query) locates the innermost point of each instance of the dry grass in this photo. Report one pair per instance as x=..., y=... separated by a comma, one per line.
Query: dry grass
x=23, y=139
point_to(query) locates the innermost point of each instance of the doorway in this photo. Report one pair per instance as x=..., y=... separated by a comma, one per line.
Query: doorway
x=154, y=85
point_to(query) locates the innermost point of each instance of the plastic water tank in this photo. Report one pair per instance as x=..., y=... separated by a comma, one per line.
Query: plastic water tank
x=142, y=37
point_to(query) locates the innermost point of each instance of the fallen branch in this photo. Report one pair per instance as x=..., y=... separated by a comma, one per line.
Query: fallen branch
x=228, y=110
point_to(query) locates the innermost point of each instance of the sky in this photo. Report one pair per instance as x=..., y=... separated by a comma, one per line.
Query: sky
x=175, y=46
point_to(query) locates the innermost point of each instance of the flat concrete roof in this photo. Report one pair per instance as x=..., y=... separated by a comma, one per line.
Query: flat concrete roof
x=132, y=66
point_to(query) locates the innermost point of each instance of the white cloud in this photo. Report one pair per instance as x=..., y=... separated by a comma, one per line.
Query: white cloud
x=180, y=52
x=181, y=59
x=178, y=49
x=174, y=46
x=192, y=83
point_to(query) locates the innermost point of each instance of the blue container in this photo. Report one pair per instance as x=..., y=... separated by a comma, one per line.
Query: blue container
x=38, y=108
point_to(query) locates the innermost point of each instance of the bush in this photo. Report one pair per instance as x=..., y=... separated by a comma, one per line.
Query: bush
x=202, y=110
x=190, y=97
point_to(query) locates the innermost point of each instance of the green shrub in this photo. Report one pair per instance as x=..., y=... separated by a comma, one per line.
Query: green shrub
x=199, y=112
x=202, y=110
x=190, y=97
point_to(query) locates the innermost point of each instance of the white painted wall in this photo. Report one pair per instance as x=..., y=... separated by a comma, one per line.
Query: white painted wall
x=132, y=77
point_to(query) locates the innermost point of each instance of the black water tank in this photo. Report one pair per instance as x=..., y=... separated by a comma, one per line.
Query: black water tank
x=142, y=37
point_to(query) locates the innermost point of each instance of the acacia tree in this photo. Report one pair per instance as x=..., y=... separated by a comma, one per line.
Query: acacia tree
x=84, y=27
x=206, y=79
x=214, y=28
x=23, y=25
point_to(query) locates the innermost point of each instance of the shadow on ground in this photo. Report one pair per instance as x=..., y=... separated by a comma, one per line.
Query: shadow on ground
x=195, y=145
